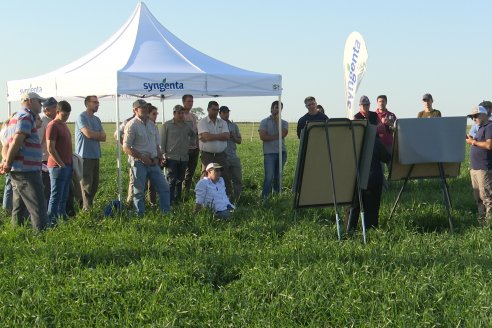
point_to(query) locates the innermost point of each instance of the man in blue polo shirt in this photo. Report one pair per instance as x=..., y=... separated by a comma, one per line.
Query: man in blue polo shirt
x=481, y=163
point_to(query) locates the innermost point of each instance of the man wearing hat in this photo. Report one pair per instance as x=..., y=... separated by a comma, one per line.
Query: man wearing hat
x=364, y=113
x=211, y=192
x=88, y=136
x=428, y=110
x=23, y=161
x=176, y=137
x=233, y=161
x=481, y=163
x=141, y=143
x=49, y=113
x=371, y=196
x=488, y=105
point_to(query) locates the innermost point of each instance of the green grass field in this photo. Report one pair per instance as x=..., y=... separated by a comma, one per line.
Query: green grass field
x=268, y=267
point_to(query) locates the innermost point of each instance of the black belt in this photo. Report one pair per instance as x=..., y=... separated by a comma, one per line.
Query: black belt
x=212, y=154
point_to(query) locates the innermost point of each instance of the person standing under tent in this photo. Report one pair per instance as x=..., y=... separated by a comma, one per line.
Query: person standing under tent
x=59, y=145
x=89, y=134
x=313, y=115
x=49, y=111
x=23, y=161
x=481, y=164
x=428, y=110
x=193, y=150
x=269, y=132
x=213, y=134
x=141, y=143
x=175, y=140
x=8, y=192
x=233, y=161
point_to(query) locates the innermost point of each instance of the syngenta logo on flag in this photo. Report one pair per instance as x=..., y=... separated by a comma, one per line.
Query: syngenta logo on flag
x=354, y=60
x=162, y=86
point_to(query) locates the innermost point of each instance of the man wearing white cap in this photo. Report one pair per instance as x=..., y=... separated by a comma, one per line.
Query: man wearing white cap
x=211, y=192
x=23, y=161
x=481, y=163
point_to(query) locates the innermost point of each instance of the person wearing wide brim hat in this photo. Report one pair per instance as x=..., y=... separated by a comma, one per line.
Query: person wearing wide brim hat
x=481, y=163
x=210, y=192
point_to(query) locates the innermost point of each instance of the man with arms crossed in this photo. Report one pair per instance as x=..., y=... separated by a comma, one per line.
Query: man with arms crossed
x=88, y=135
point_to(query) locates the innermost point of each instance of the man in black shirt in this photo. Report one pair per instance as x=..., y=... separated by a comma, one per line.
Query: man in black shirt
x=313, y=115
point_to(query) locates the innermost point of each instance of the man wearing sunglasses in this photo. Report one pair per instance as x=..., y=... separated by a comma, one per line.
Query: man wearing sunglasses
x=481, y=163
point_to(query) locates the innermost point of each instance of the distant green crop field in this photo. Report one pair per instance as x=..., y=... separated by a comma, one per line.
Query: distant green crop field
x=270, y=266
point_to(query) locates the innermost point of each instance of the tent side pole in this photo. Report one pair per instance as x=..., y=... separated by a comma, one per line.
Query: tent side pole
x=9, y=109
x=280, y=143
x=162, y=105
x=118, y=142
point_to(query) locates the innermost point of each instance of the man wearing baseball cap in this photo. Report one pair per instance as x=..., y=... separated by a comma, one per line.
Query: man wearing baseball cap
x=23, y=161
x=481, y=163
x=428, y=110
x=210, y=192
x=487, y=105
x=142, y=144
x=49, y=113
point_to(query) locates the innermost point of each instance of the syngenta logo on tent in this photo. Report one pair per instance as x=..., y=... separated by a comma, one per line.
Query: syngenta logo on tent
x=37, y=89
x=162, y=86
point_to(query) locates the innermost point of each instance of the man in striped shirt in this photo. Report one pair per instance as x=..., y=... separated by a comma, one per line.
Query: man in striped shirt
x=23, y=161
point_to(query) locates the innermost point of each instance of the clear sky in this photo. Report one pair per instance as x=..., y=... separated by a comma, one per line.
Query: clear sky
x=415, y=47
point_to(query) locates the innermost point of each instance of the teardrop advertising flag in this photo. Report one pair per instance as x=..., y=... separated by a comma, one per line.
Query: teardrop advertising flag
x=354, y=65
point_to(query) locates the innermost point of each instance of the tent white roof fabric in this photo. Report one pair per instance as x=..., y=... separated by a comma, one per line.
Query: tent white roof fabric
x=144, y=59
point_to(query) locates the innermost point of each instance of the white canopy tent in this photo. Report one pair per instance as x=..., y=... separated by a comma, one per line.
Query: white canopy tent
x=144, y=59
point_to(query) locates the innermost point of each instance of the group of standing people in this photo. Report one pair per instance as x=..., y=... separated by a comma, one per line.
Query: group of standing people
x=37, y=156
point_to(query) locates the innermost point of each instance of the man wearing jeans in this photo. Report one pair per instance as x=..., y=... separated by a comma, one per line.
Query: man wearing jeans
x=141, y=143
x=59, y=146
x=481, y=163
x=88, y=136
x=175, y=140
x=269, y=132
x=23, y=161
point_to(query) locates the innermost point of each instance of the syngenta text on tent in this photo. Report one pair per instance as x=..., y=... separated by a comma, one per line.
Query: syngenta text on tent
x=162, y=86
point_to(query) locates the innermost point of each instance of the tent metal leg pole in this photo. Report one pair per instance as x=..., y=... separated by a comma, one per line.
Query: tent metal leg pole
x=359, y=194
x=280, y=144
x=9, y=109
x=118, y=159
x=333, y=181
x=401, y=191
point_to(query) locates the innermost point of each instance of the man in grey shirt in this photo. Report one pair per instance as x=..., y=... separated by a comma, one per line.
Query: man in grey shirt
x=269, y=132
x=233, y=161
x=141, y=143
x=176, y=136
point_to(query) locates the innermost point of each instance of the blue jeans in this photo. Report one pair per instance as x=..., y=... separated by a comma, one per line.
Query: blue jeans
x=175, y=173
x=60, y=178
x=272, y=175
x=141, y=173
x=7, y=194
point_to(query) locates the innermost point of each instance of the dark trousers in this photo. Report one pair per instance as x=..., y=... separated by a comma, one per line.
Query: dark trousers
x=175, y=173
x=29, y=199
x=371, y=199
x=47, y=186
x=221, y=159
x=190, y=169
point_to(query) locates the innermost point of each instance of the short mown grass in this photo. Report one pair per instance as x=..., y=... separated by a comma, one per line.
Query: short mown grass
x=270, y=266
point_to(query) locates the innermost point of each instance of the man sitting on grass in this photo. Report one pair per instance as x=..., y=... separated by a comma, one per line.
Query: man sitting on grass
x=210, y=192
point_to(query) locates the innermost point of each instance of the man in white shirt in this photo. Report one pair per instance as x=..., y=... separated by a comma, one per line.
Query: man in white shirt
x=210, y=192
x=213, y=134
